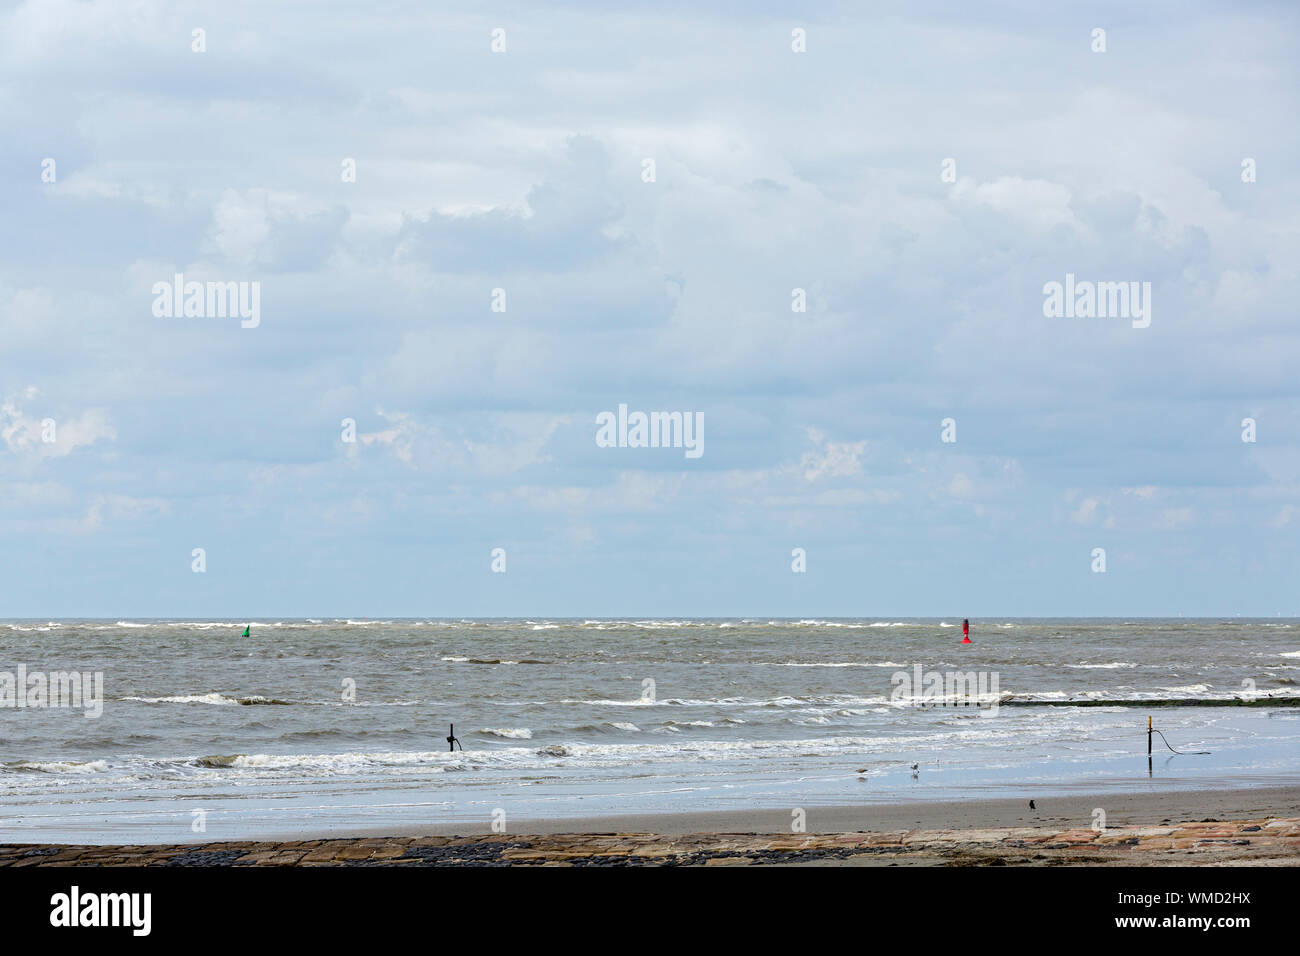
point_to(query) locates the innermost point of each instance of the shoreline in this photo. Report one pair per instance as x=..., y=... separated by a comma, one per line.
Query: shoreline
x=1152, y=808
x=1250, y=826
x=1266, y=841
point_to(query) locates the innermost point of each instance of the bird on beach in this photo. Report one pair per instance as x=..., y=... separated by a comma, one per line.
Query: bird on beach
x=914, y=767
x=1031, y=805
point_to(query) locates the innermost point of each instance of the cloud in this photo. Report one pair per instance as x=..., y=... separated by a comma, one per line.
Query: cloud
x=831, y=459
x=516, y=442
x=961, y=487
x=1036, y=204
x=49, y=436
x=524, y=172
x=1086, y=513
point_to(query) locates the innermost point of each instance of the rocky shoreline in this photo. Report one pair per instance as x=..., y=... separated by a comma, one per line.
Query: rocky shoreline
x=1267, y=841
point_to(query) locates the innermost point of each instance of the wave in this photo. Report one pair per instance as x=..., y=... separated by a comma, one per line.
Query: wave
x=1259, y=700
x=330, y=763
x=524, y=758
x=58, y=766
x=765, y=702
x=828, y=664
x=1113, y=665
x=491, y=660
x=512, y=759
x=513, y=733
x=212, y=698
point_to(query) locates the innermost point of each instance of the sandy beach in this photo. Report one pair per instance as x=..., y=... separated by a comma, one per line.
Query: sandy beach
x=1122, y=809
x=1250, y=842
x=1247, y=827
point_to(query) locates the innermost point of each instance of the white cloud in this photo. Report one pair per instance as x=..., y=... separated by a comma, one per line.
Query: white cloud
x=512, y=442
x=1034, y=203
x=1141, y=491
x=831, y=459
x=1086, y=513
x=960, y=486
x=50, y=436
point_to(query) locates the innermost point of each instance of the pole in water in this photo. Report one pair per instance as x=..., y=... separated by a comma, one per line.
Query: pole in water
x=1148, y=736
x=965, y=630
x=451, y=738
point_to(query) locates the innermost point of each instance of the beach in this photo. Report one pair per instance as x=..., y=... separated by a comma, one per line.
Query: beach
x=1061, y=813
x=1206, y=827
x=308, y=729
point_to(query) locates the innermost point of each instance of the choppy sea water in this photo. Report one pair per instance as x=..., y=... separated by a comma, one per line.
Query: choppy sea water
x=308, y=725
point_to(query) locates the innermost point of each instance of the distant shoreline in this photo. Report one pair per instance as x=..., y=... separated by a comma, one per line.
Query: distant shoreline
x=269, y=619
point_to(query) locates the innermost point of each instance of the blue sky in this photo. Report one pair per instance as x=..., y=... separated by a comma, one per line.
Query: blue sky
x=522, y=170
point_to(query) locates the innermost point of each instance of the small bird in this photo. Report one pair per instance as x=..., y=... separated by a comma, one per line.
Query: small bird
x=914, y=767
x=1031, y=805
x=863, y=770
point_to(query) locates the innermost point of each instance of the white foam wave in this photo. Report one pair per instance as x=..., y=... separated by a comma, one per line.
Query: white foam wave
x=1113, y=665
x=61, y=766
x=828, y=664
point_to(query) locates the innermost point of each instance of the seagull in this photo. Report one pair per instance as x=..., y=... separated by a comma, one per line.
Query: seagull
x=914, y=766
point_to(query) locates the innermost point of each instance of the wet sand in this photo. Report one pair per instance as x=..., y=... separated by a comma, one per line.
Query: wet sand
x=1234, y=827
x=1252, y=842
x=1121, y=809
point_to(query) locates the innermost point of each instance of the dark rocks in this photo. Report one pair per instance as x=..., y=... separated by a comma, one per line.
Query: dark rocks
x=202, y=858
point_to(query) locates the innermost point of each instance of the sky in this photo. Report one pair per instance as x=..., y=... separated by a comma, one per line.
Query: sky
x=473, y=228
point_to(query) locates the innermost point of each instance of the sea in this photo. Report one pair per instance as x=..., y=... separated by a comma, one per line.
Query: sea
x=312, y=726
